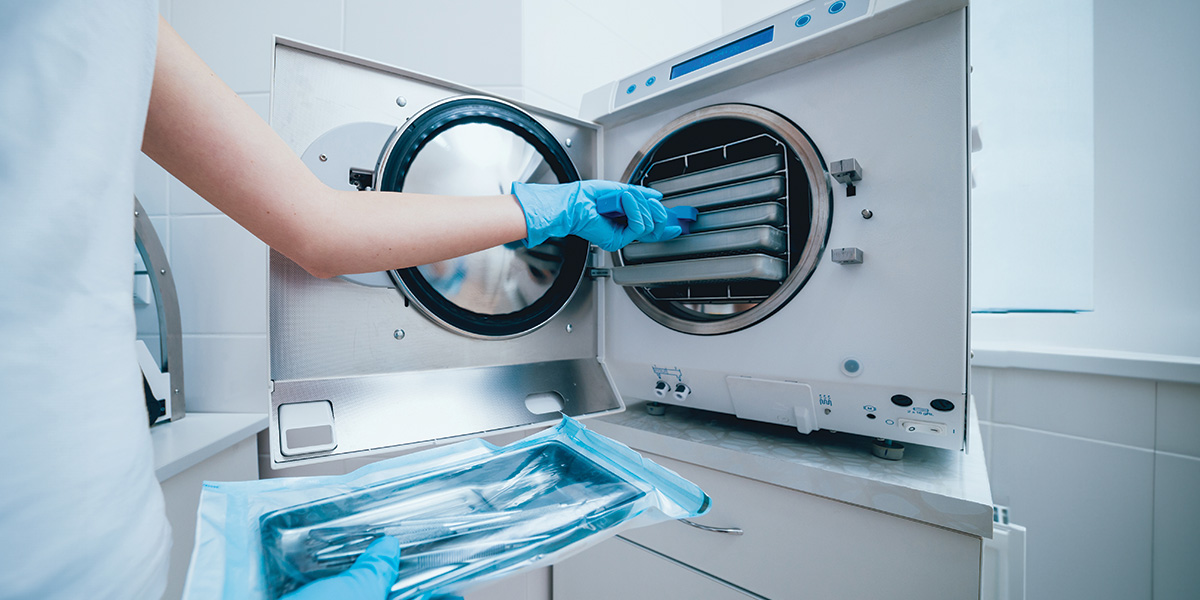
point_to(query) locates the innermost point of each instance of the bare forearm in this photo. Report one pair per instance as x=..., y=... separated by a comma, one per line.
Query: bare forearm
x=203, y=133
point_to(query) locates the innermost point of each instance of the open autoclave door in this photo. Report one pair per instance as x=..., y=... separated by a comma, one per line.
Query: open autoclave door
x=795, y=300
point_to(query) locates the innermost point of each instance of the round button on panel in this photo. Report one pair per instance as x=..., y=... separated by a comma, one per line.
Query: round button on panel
x=837, y=7
x=803, y=20
x=851, y=367
x=629, y=90
x=942, y=405
x=901, y=400
x=650, y=82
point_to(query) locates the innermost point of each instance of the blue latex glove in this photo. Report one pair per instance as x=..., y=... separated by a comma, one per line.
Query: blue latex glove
x=559, y=210
x=369, y=578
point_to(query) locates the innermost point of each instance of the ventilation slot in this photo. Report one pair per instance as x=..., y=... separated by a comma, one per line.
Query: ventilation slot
x=738, y=251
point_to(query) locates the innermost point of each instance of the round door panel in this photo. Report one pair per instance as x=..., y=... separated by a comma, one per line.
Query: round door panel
x=473, y=146
x=764, y=200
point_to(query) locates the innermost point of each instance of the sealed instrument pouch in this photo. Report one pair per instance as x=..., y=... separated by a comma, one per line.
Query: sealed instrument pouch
x=464, y=515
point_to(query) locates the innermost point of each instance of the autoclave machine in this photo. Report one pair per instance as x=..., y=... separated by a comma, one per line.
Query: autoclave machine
x=823, y=285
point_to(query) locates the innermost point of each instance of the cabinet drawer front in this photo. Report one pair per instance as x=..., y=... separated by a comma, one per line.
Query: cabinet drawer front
x=800, y=545
x=618, y=570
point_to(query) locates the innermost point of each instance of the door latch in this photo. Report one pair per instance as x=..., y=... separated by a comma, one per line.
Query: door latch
x=362, y=179
x=847, y=171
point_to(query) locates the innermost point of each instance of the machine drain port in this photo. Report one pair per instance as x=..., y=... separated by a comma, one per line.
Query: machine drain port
x=661, y=388
x=682, y=391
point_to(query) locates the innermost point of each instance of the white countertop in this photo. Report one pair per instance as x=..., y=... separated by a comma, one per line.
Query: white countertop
x=199, y=436
x=1140, y=365
x=942, y=487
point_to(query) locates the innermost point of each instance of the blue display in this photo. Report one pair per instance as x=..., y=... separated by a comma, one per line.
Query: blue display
x=729, y=50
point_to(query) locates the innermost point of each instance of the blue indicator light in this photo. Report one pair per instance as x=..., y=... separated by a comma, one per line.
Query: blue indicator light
x=729, y=50
x=837, y=7
x=803, y=20
x=650, y=82
x=629, y=90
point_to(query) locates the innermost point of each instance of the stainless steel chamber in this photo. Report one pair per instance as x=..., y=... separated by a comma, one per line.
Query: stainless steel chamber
x=765, y=206
x=823, y=285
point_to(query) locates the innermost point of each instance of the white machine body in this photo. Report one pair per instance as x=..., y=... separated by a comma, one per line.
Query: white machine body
x=899, y=320
x=849, y=312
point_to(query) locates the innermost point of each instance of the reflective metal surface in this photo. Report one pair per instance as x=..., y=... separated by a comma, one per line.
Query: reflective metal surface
x=158, y=324
x=393, y=375
x=476, y=159
x=420, y=407
x=711, y=310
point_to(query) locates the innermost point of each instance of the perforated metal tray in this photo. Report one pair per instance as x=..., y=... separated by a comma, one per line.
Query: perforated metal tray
x=701, y=270
x=748, y=169
x=738, y=193
x=771, y=213
x=759, y=238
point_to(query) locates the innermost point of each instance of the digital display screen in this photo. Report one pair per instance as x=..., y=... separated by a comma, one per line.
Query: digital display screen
x=729, y=50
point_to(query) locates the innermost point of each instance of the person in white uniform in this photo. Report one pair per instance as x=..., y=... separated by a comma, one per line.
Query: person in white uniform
x=85, y=85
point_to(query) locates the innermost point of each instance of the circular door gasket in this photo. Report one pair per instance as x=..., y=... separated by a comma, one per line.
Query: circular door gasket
x=394, y=167
x=807, y=199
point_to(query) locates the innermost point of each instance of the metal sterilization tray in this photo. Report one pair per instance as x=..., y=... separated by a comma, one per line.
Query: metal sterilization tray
x=759, y=238
x=771, y=213
x=738, y=193
x=703, y=270
x=748, y=169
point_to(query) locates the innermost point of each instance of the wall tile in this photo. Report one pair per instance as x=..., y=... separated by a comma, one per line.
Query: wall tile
x=150, y=186
x=473, y=42
x=565, y=62
x=1112, y=409
x=981, y=391
x=183, y=201
x=235, y=38
x=1087, y=507
x=1176, y=527
x=226, y=373
x=261, y=103
x=1178, y=417
x=220, y=274
x=660, y=29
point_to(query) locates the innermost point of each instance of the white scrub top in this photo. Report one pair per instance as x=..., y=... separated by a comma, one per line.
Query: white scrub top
x=81, y=512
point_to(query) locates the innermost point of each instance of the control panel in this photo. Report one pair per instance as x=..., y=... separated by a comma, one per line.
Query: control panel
x=790, y=27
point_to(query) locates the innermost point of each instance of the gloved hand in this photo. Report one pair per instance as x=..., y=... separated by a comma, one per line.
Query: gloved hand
x=570, y=209
x=370, y=577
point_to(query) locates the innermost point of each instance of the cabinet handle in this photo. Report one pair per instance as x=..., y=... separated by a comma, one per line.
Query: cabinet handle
x=726, y=530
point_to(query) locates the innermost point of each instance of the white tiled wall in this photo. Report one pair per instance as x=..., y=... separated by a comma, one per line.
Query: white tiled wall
x=1105, y=474
x=574, y=46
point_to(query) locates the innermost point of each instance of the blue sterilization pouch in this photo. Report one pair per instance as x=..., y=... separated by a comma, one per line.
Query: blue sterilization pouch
x=464, y=514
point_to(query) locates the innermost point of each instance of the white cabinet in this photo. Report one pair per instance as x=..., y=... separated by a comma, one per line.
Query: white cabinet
x=187, y=452
x=896, y=530
x=620, y=569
